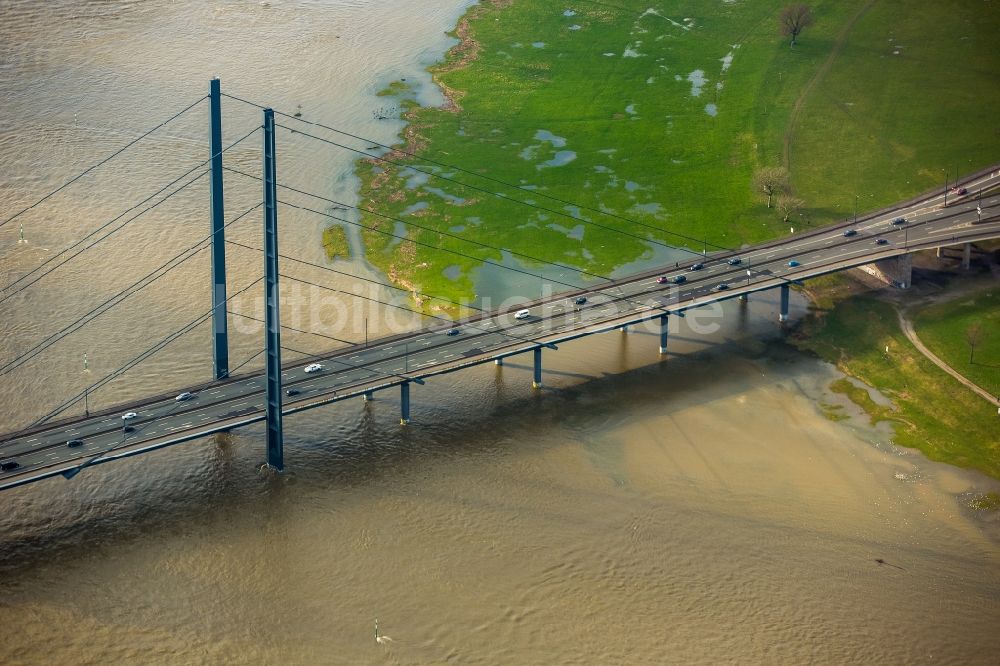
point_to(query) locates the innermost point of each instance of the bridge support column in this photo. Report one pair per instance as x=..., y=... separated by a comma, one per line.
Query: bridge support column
x=404, y=403
x=220, y=327
x=537, y=381
x=967, y=256
x=624, y=329
x=940, y=252
x=272, y=322
x=498, y=361
x=783, y=314
x=368, y=396
x=663, y=334
x=744, y=298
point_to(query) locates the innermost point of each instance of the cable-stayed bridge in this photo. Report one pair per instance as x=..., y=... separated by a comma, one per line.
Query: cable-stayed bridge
x=57, y=444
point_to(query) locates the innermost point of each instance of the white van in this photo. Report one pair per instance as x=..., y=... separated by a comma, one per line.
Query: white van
x=522, y=314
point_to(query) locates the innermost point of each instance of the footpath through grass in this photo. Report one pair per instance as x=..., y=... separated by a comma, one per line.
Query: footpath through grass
x=945, y=329
x=933, y=412
x=632, y=123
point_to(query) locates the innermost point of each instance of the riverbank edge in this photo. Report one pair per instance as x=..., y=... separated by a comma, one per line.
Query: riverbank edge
x=828, y=299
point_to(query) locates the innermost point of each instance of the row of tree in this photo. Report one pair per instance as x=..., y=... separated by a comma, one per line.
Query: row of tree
x=773, y=185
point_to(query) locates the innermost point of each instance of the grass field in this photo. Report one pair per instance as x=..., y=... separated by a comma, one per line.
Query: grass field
x=933, y=412
x=943, y=329
x=630, y=124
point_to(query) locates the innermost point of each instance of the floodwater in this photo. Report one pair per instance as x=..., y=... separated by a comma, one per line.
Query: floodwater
x=693, y=510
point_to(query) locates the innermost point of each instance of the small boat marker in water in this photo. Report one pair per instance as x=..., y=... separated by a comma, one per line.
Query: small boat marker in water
x=381, y=640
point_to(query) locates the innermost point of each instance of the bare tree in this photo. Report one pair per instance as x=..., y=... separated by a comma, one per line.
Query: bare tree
x=787, y=205
x=770, y=181
x=973, y=335
x=794, y=19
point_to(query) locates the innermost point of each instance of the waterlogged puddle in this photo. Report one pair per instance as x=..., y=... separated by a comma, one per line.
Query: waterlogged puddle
x=561, y=158
x=576, y=233
x=600, y=168
x=398, y=232
x=538, y=45
x=698, y=81
x=474, y=220
x=648, y=208
x=711, y=110
x=726, y=61
x=415, y=208
x=630, y=52
x=576, y=26
x=417, y=179
x=457, y=229
x=444, y=195
x=630, y=109
x=631, y=186
x=545, y=135
x=452, y=272
x=569, y=12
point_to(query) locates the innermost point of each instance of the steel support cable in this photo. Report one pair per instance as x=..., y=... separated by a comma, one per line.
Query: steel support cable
x=105, y=160
x=290, y=328
x=448, y=321
x=140, y=358
x=135, y=287
x=571, y=285
x=365, y=279
x=415, y=225
x=115, y=219
x=488, y=178
x=500, y=195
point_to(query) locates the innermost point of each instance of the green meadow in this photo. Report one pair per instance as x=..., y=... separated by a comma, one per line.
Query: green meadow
x=610, y=129
x=945, y=329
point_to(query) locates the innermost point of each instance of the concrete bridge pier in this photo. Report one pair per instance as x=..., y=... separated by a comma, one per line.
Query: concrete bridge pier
x=783, y=314
x=537, y=380
x=368, y=396
x=967, y=256
x=404, y=403
x=744, y=298
x=663, y=334
x=498, y=361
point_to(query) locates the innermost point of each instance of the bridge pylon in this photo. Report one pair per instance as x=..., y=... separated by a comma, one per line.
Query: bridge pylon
x=272, y=319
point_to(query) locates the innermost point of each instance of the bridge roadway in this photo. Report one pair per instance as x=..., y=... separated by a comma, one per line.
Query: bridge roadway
x=349, y=372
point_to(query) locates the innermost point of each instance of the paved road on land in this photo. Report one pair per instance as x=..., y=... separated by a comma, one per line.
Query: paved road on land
x=42, y=451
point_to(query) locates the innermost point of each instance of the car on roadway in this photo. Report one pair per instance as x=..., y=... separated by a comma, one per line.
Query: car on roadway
x=580, y=300
x=128, y=416
x=850, y=232
x=522, y=314
x=899, y=220
x=680, y=279
x=186, y=395
x=881, y=241
x=292, y=391
x=452, y=331
x=735, y=261
x=9, y=465
x=128, y=429
x=663, y=279
x=793, y=264
x=722, y=286
x=73, y=443
x=312, y=367
x=696, y=267
x=959, y=190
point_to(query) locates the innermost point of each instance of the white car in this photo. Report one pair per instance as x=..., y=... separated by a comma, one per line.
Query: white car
x=187, y=395
x=313, y=367
x=128, y=416
x=522, y=314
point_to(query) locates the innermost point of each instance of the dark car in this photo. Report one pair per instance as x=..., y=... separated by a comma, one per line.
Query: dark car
x=292, y=392
x=452, y=331
x=696, y=267
x=881, y=241
x=722, y=286
x=663, y=279
x=9, y=465
x=899, y=220
x=580, y=300
x=73, y=443
x=959, y=190
x=679, y=279
x=850, y=232
x=735, y=261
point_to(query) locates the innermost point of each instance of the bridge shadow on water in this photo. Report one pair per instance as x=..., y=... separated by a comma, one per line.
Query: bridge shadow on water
x=470, y=416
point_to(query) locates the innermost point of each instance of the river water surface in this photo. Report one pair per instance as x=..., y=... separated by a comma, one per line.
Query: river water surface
x=638, y=511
